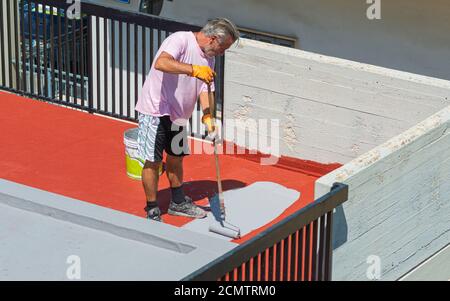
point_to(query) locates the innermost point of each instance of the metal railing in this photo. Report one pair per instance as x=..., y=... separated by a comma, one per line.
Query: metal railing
x=97, y=63
x=299, y=248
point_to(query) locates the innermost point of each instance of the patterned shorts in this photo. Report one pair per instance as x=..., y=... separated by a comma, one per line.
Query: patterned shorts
x=158, y=134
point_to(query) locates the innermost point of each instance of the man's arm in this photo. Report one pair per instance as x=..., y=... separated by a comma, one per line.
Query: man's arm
x=207, y=114
x=166, y=63
x=204, y=102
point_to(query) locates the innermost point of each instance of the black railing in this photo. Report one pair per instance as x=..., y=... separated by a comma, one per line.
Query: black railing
x=299, y=248
x=97, y=62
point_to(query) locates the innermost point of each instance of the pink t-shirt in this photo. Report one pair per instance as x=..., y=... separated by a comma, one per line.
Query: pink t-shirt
x=174, y=94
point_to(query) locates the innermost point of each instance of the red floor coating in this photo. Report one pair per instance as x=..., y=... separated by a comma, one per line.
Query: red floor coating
x=80, y=155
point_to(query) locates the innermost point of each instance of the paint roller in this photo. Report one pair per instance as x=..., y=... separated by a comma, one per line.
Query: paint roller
x=217, y=202
x=225, y=229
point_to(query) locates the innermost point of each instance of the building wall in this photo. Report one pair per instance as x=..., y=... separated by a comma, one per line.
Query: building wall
x=399, y=203
x=412, y=35
x=329, y=109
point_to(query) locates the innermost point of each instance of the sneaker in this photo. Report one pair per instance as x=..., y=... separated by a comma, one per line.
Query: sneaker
x=154, y=214
x=187, y=208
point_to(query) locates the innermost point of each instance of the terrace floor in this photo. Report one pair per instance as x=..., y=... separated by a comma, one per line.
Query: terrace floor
x=81, y=156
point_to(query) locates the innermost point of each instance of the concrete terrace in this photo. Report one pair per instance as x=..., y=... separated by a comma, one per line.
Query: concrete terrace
x=74, y=163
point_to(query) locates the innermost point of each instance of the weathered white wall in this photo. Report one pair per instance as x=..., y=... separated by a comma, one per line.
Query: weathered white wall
x=412, y=35
x=399, y=202
x=330, y=110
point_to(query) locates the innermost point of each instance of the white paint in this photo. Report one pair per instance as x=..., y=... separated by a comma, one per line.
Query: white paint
x=249, y=208
x=399, y=201
x=330, y=109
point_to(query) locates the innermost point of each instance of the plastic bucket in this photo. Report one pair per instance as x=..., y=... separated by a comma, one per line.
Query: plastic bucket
x=133, y=162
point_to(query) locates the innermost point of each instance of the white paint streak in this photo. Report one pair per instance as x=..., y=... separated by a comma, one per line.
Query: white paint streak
x=250, y=208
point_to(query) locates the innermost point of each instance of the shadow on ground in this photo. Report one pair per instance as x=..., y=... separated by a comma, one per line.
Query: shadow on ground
x=197, y=190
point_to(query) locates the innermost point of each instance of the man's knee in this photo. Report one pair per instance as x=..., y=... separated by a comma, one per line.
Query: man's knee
x=174, y=159
x=151, y=165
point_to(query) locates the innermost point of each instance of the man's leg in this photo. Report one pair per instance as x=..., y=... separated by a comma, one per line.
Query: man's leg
x=174, y=170
x=151, y=142
x=150, y=177
x=180, y=204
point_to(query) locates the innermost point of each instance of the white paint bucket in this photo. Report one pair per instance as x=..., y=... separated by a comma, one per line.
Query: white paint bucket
x=134, y=163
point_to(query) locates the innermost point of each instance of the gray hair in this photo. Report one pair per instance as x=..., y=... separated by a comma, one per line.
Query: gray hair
x=221, y=28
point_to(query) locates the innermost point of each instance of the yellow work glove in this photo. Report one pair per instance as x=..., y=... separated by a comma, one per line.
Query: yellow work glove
x=208, y=122
x=205, y=73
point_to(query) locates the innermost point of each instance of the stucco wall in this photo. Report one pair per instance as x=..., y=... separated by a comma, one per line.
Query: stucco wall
x=329, y=109
x=399, y=203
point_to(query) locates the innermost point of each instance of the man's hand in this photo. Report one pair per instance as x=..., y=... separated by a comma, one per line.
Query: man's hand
x=205, y=73
x=209, y=123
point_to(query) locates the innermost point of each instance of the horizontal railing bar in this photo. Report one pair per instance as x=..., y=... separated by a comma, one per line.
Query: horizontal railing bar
x=141, y=19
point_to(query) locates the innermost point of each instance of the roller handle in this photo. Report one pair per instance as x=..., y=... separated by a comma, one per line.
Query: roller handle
x=216, y=156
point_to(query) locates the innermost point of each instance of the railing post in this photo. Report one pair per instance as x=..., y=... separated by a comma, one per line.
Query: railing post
x=16, y=37
x=329, y=247
x=22, y=40
x=2, y=47
x=90, y=67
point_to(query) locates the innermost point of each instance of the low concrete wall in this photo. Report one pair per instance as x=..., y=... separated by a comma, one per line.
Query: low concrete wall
x=330, y=109
x=436, y=268
x=40, y=231
x=399, y=203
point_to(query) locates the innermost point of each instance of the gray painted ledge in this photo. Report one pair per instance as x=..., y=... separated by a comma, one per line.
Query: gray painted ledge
x=436, y=268
x=39, y=230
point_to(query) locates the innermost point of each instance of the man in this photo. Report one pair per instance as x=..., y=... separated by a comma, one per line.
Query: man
x=178, y=77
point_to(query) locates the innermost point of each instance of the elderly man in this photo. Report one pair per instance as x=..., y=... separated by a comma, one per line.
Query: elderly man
x=178, y=77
